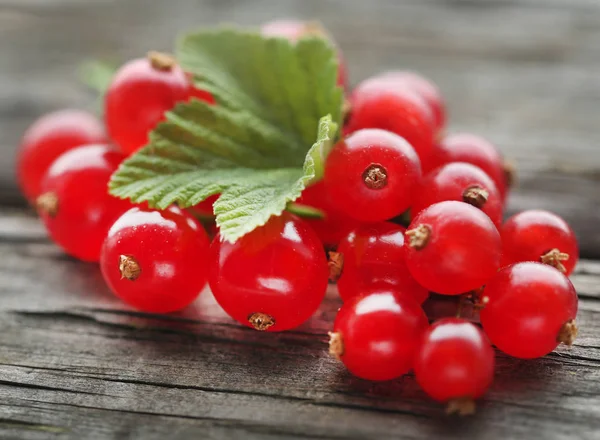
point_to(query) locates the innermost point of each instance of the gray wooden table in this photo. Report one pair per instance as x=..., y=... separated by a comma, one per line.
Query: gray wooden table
x=76, y=363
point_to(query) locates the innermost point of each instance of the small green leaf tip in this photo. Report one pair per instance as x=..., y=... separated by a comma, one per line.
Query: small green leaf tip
x=256, y=146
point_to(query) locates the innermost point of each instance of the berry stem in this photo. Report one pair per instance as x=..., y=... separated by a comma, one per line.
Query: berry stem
x=161, y=61
x=261, y=321
x=419, y=236
x=305, y=211
x=129, y=267
x=555, y=258
x=336, y=345
x=475, y=195
x=375, y=176
x=464, y=406
x=568, y=332
x=47, y=204
x=336, y=265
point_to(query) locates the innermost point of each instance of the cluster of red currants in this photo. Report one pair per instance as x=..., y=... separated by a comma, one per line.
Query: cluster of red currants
x=393, y=160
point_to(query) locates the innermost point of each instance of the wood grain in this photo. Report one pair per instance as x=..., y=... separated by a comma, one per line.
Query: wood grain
x=77, y=363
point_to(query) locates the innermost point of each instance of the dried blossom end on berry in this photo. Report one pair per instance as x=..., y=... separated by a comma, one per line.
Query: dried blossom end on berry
x=336, y=345
x=419, y=236
x=510, y=173
x=261, y=321
x=336, y=265
x=462, y=407
x=375, y=176
x=568, y=333
x=475, y=195
x=555, y=258
x=129, y=268
x=161, y=61
x=48, y=204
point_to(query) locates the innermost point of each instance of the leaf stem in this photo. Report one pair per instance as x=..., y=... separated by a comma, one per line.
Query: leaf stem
x=304, y=211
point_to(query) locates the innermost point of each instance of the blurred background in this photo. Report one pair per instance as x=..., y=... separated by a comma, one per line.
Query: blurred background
x=522, y=73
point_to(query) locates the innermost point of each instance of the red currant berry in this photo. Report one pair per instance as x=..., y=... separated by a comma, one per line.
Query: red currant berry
x=273, y=278
x=335, y=225
x=452, y=248
x=371, y=175
x=380, y=103
x=465, y=147
x=537, y=235
x=424, y=88
x=373, y=255
x=377, y=335
x=455, y=363
x=138, y=97
x=293, y=30
x=156, y=261
x=459, y=181
x=529, y=308
x=49, y=137
x=75, y=205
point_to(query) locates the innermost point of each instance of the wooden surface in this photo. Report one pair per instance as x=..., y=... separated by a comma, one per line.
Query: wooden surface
x=75, y=363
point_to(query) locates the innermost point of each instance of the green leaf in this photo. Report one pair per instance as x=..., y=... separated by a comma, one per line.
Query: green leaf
x=254, y=146
x=97, y=75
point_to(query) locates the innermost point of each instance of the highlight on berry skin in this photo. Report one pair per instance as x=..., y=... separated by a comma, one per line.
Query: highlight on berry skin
x=452, y=248
x=74, y=204
x=273, y=278
x=376, y=335
x=538, y=235
x=156, y=261
x=455, y=364
x=530, y=309
x=373, y=255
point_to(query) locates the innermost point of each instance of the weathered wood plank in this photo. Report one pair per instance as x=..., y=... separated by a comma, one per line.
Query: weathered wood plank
x=522, y=73
x=75, y=362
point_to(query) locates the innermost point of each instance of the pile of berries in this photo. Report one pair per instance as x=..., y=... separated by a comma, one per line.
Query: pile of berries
x=394, y=165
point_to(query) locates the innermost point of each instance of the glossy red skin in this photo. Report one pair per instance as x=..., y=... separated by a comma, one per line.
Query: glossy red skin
x=293, y=30
x=450, y=181
x=380, y=334
x=424, y=88
x=349, y=159
x=527, y=305
x=379, y=103
x=49, y=137
x=528, y=235
x=79, y=178
x=172, y=251
x=463, y=251
x=335, y=225
x=138, y=98
x=279, y=269
x=455, y=360
x=473, y=149
x=374, y=256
